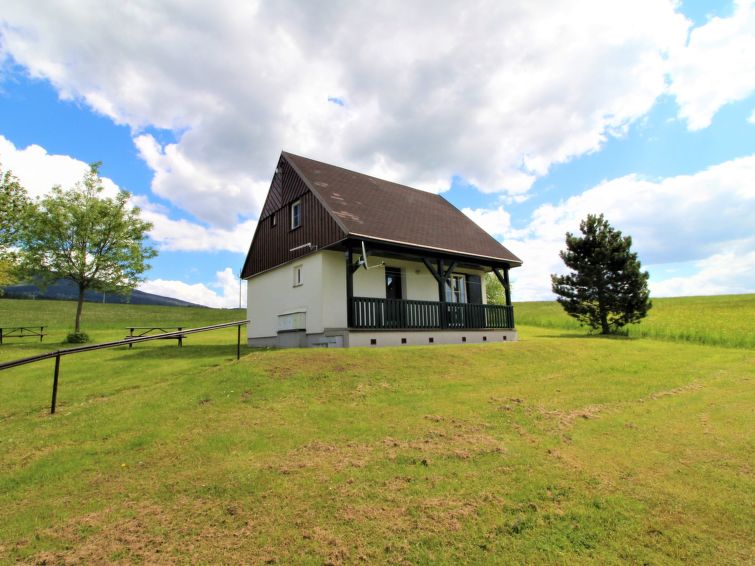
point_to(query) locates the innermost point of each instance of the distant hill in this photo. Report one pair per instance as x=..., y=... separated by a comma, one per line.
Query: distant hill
x=66, y=290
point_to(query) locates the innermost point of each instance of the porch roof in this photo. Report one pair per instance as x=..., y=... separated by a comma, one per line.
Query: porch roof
x=372, y=208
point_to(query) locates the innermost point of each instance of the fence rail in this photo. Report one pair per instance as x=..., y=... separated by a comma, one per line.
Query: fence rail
x=402, y=314
x=57, y=354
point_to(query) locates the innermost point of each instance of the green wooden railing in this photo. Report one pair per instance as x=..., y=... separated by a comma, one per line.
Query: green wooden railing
x=373, y=313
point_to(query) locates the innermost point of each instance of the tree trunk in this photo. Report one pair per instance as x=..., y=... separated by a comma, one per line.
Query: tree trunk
x=603, y=312
x=605, y=329
x=78, y=309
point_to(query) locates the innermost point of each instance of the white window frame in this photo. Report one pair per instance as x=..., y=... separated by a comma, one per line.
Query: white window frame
x=294, y=206
x=298, y=279
x=456, y=288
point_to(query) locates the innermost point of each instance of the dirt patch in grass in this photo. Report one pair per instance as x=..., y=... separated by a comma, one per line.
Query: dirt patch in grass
x=566, y=419
x=149, y=533
x=672, y=392
x=456, y=439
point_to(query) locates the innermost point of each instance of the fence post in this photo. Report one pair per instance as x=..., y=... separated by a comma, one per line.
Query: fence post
x=238, y=342
x=55, y=385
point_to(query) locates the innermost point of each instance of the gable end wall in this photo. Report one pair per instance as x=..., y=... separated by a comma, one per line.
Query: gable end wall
x=272, y=244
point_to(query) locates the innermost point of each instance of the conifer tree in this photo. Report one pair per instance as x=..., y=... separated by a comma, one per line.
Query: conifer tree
x=607, y=288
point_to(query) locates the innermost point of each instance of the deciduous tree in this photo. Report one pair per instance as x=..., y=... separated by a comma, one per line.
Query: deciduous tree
x=79, y=234
x=14, y=209
x=607, y=288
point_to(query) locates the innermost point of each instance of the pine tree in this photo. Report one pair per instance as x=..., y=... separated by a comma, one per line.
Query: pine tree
x=607, y=289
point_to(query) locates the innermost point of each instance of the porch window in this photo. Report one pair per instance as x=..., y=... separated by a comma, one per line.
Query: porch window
x=296, y=215
x=456, y=292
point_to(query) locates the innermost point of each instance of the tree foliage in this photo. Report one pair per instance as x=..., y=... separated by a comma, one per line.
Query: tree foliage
x=14, y=205
x=14, y=210
x=494, y=292
x=94, y=240
x=607, y=289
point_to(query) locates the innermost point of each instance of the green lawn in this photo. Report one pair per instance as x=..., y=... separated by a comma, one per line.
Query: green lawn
x=725, y=320
x=559, y=448
x=104, y=322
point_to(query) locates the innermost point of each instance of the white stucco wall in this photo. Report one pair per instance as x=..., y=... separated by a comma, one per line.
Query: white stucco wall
x=418, y=283
x=334, y=289
x=273, y=293
x=322, y=294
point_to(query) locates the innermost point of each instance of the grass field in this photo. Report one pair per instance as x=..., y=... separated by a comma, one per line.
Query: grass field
x=104, y=322
x=560, y=448
x=725, y=320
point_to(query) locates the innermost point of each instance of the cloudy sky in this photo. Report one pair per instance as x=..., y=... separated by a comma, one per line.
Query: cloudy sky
x=525, y=114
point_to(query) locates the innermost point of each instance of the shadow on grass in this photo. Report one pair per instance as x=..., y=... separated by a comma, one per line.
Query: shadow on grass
x=589, y=336
x=222, y=352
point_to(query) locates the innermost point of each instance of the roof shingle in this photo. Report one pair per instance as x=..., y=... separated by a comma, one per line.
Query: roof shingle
x=374, y=208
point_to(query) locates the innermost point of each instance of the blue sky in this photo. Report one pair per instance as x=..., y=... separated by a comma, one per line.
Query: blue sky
x=647, y=116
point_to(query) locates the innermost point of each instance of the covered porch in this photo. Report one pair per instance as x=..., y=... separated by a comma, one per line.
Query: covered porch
x=457, y=281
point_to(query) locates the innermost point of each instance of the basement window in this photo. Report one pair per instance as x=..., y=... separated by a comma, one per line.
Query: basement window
x=296, y=215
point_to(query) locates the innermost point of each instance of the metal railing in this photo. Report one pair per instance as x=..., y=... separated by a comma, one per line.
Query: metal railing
x=375, y=313
x=57, y=354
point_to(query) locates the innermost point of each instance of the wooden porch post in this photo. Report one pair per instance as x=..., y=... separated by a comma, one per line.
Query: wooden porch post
x=442, y=309
x=349, y=287
x=507, y=285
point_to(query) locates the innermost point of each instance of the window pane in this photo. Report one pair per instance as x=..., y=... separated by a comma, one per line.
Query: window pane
x=295, y=215
x=393, y=283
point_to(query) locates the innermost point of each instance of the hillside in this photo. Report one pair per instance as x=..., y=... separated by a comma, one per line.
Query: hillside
x=560, y=448
x=103, y=322
x=66, y=290
x=724, y=320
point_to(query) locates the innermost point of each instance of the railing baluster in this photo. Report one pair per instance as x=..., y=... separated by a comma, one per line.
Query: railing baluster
x=371, y=312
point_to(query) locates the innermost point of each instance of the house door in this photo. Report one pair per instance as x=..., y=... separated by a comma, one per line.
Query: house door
x=393, y=291
x=393, y=283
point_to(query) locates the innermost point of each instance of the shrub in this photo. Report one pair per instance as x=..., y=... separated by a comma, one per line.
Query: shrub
x=77, y=338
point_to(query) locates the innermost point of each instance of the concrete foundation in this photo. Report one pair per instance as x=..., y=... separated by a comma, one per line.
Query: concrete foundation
x=341, y=338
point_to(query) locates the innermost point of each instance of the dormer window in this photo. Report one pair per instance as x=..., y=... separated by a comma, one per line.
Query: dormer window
x=296, y=215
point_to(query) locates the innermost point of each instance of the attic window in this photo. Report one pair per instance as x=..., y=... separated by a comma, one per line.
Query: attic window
x=296, y=215
x=274, y=219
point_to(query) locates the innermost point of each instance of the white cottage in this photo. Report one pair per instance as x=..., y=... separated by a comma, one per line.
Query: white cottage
x=340, y=258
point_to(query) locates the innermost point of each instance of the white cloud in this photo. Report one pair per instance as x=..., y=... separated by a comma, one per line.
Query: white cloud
x=222, y=293
x=716, y=67
x=495, y=92
x=184, y=236
x=496, y=222
x=704, y=218
x=729, y=272
x=219, y=199
x=39, y=171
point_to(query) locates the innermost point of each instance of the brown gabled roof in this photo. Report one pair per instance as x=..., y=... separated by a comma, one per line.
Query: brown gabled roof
x=373, y=208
